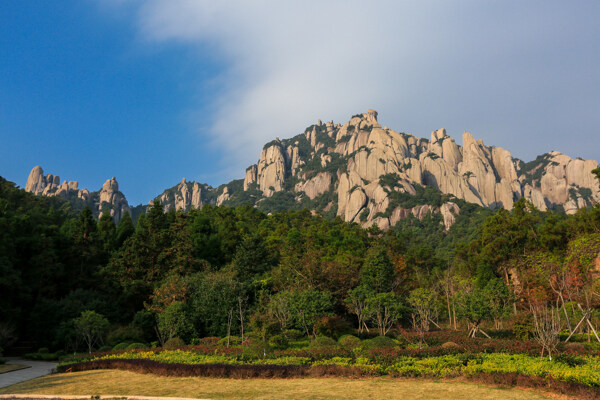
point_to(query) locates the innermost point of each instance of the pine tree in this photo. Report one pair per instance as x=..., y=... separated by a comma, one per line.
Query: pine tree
x=124, y=229
x=107, y=231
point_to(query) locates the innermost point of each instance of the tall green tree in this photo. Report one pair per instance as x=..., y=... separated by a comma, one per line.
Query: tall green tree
x=308, y=306
x=500, y=300
x=214, y=299
x=175, y=321
x=107, y=232
x=423, y=305
x=378, y=271
x=385, y=310
x=475, y=307
x=251, y=259
x=125, y=229
x=91, y=327
x=357, y=304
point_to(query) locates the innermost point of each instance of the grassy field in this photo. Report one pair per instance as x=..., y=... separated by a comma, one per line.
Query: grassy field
x=112, y=382
x=11, y=367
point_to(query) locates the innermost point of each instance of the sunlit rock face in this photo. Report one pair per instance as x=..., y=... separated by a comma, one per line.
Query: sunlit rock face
x=365, y=154
x=108, y=198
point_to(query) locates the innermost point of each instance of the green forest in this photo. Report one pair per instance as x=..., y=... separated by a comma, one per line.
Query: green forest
x=70, y=283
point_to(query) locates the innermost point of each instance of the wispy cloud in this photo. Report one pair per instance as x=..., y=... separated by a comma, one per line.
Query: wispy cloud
x=495, y=68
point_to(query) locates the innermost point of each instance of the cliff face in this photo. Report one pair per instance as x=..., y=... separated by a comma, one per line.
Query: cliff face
x=363, y=167
x=373, y=175
x=108, y=197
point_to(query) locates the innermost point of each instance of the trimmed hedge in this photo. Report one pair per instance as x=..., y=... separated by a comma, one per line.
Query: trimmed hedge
x=547, y=382
x=182, y=370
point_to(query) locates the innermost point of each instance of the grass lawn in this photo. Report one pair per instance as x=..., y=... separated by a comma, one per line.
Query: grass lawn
x=113, y=382
x=11, y=367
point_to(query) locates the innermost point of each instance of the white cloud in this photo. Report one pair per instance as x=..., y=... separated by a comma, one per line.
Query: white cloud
x=423, y=65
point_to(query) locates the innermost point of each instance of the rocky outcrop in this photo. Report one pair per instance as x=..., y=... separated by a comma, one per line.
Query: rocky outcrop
x=366, y=173
x=270, y=172
x=49, y=185
x=37, y=182
x=359, y=153
x=250, y=177
x=449, y=212
x=108, y=198
x=315, y=186
x=556, y=180
x=111, y=199
x=184, y=196
x=224, y=196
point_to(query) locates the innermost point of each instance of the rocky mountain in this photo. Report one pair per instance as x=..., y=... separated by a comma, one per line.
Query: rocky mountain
x=373, y=175
x=186, y=195
x=363, y=173
x=108, y=197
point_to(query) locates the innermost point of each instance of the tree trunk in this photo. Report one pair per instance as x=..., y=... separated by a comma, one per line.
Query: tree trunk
x=159, y=336
x=229, y=320
x=305, y=326
x=449, y=310
x=566, y=313
x=241, y=317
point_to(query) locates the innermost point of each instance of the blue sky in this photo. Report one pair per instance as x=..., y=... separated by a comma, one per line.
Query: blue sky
x=83, y=98
x=153, y=91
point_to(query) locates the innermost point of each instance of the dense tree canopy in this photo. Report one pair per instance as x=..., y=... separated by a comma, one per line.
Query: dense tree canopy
x=226, y=270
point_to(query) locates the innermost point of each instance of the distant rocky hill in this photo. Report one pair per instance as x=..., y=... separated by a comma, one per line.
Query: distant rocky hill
x=365, y=173
x=107, y=198
x=187, y=195
x=370, y=174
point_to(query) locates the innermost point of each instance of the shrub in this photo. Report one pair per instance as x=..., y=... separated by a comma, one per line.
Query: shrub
x=43, y=350
x=523, y=326
x=105, y=348
x=209, y=341
x=570, y=360
x=210, y=370
x=349, y=341
x=136, y=346
x=121, y=346
x=323, y=342
x=450, y=345
x=256, y=349
x=293, y=334
x=576, y=347
x=233, y=341
x=333, y=326
x=379, y=342
x=174, y=343
x=279, y=342
x=127, y=334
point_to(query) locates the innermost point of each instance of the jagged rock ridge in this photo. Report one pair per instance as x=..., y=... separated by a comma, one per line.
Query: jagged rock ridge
x=350, y=161
x=373, y=175
x=108, y=197
x=186, y=195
